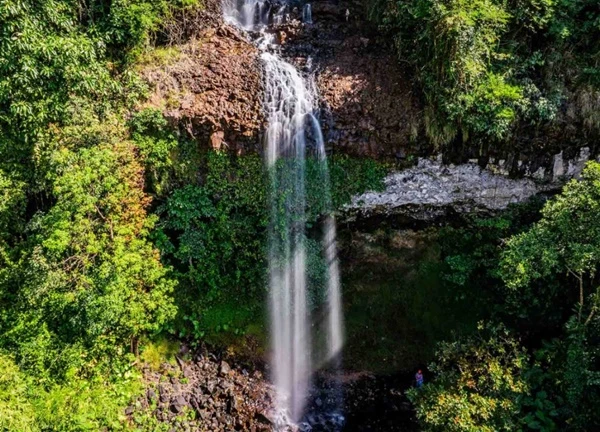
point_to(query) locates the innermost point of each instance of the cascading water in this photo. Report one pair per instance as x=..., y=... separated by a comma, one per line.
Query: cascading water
x=293, y=134
x=287, y=105
x=247, y=14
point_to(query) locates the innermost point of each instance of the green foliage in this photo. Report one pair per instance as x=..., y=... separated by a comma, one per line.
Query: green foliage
x=52, y=51
x=214, y=233
x=489, y=108
x=90, y=278
x=472, y=250
x=158, y=351
x=45, y=61
x=156, y=143
x=16, y=412
x=85, y=405
x=485, y=65
x=481, y=385
x=565, y=241
x=477, y=385
x=218, y=223
x=470, y=274
x=12, y=197
x=578, y=374
x=79, y=282
x=556, y=262
x=80, y=405
x=352, y=176
x=547, y=268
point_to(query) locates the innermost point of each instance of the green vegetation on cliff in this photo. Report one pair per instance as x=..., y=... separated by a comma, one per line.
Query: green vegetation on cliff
x=80, y=282
x=491, y=69
x=117, y=227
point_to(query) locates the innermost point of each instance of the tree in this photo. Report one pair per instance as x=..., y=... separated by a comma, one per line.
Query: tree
x=566, y=241
x=16, y=412
x=90, y=279
x=487, y=67
x=565, y=245
x=478, y=385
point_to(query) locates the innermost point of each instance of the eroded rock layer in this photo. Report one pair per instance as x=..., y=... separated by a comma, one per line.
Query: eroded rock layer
x=432, y=190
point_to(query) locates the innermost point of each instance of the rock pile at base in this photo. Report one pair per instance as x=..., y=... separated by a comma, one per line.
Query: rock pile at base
x=205, y=395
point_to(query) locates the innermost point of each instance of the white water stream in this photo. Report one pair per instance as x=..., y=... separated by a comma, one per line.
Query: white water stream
x=290, y=104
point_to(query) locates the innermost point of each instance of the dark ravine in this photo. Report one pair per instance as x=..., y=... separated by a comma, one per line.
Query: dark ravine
x=369, y=402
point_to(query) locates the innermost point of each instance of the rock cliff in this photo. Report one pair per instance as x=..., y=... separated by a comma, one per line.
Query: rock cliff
x=210, y=87
x=368, y=105
x=432, y=190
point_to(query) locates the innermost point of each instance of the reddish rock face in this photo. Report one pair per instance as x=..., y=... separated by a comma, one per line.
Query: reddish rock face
x=212, y=86
x=372, y=109
x=213, y=89
x=369, y=108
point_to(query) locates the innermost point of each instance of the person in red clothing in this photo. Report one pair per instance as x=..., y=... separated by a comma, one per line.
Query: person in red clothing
x=419, y=378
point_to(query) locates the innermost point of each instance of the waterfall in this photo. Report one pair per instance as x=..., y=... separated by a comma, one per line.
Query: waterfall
x=293, y=134
x=246, y=14
x=288, y=106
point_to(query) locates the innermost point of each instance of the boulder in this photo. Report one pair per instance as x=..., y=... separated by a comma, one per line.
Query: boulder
x=163, y=392
x=224, y=368
x=178, y=404
x=151, y=395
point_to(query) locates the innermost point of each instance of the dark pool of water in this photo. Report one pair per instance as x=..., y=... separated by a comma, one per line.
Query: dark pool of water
x=363, y=403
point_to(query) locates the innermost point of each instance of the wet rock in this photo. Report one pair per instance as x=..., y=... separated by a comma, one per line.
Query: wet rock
x=187, y=372
x=281, y=37
x=151, y=395
x=163, y=392
x=265, y=417
x=216, y=140
x=327, y=10
x=232, y=404
x=209, y=387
